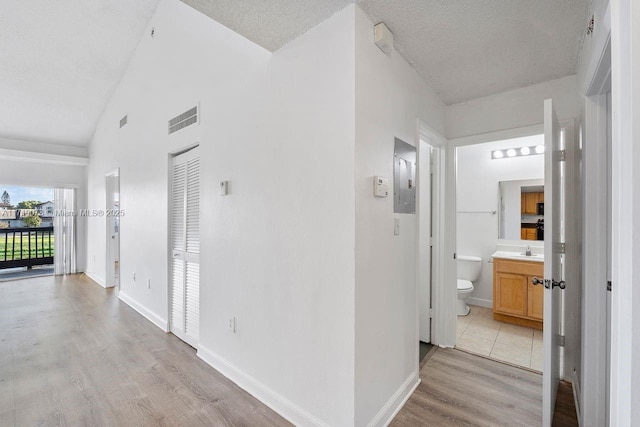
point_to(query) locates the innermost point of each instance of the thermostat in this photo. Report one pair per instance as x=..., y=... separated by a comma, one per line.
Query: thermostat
x=380, y=186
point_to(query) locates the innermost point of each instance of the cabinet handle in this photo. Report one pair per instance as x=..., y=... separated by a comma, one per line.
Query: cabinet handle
x=537, y=281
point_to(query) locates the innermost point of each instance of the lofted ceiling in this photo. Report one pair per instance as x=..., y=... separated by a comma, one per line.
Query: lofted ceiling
x=60, y=62
x=463, y=49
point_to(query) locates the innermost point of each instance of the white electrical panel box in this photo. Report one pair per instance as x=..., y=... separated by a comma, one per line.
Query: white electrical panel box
x=380, y=186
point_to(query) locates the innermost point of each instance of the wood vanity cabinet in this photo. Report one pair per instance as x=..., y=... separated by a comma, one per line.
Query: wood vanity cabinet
x=515, y=298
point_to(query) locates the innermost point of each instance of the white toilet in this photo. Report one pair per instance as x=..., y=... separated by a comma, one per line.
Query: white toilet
x=469, y=268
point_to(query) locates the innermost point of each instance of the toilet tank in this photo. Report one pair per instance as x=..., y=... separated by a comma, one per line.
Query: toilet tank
x=469, y=267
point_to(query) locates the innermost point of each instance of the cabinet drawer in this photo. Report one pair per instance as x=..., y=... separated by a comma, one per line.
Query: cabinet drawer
x=527, y=268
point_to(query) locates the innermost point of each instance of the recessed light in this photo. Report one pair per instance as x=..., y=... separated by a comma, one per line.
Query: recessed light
x=525, y=151
x=511, y=152
x=539, y=149
x=498, y=154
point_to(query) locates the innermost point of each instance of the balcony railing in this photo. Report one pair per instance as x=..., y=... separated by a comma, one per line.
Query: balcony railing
x=26, y=247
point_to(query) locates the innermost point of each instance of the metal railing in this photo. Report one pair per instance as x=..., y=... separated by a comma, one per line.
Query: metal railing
x=26, y=247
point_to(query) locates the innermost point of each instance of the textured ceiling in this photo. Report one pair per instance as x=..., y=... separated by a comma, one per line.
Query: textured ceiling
x=464, y=49
x=470, y=49
x=60, y=61
x=269, y=23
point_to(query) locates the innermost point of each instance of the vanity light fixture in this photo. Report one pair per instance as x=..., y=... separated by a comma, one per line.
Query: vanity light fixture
x=518, y=152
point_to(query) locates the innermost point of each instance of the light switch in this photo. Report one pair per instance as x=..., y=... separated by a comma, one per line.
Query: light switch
x=396, y=226
x=224, y=188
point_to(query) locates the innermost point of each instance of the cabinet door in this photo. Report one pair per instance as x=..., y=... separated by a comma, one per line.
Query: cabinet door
x=523, y=234
x=535, y=299
x=532, y=234
x=531, y=203
x=540, y=197
x=522, y=203
x=510, y=294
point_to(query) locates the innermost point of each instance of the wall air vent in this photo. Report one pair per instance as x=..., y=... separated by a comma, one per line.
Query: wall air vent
x=183, y=120
x=123, y=121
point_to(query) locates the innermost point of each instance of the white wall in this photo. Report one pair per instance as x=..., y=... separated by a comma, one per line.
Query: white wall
x=277, y=253
x=389, y=98
x=478, y=176
x=513, y=109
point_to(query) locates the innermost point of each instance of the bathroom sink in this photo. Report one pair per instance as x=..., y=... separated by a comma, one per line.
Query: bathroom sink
x=518, y=256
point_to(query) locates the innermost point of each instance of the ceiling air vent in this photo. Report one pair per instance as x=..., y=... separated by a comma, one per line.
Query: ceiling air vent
x=123, y=121
x=183, y=120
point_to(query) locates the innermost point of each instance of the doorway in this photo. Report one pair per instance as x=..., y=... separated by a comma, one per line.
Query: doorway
x=597, y=232
x=112, y=217
x=500, y=209
x=184, y=243
x=430, y=224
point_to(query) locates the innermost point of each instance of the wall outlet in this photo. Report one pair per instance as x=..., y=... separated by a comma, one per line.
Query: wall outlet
x=232, y=325
x=133, y=276
x=148, y=283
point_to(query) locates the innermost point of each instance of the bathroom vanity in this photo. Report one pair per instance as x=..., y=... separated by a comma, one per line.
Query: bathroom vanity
x=515, y=298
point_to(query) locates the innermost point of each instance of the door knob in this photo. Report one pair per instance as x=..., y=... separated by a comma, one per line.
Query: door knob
x=537, y=281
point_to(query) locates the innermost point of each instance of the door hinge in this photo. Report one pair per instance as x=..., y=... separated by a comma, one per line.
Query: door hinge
x=561, y=156
x=561, y=340
x=430, y=313
x=609, y=285
x=560, y=248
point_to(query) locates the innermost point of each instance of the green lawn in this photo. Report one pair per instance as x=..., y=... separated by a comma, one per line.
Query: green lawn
x=45, y=246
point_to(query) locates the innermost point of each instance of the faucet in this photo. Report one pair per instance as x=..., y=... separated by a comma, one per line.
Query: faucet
x=528, y=251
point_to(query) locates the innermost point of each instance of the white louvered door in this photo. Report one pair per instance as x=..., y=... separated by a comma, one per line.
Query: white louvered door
x=185, y=246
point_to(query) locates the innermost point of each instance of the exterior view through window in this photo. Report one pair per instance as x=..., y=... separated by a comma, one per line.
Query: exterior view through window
x=26, y=232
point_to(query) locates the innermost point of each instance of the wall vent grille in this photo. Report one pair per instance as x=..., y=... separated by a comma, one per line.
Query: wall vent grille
x=123, y=121
x=183, y=120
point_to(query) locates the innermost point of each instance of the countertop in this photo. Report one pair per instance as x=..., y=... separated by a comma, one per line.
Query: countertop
x=519, y=256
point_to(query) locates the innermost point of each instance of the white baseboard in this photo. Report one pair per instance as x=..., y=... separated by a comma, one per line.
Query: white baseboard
x=280, y=404
x=99, y=280
x=396, y=402
x=151, y=316
x=480, y=302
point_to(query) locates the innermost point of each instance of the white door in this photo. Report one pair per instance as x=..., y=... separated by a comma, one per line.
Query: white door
x=112, y=216
x=185, y=246
x=424, y=240
x=553, y=260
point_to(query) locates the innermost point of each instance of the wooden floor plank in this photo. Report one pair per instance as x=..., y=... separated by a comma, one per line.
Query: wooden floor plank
x=73, y=354
x=460, y=389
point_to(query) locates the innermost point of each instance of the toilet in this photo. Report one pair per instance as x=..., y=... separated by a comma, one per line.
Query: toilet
x=469, y=268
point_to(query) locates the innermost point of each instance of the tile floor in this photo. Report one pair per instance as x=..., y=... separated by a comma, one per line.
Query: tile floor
x=480, y=334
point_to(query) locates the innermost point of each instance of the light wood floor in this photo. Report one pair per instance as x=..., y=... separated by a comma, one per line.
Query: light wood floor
x=72, y=354
x=460, y=389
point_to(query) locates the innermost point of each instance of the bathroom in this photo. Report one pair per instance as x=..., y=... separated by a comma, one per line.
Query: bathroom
x=500, y=231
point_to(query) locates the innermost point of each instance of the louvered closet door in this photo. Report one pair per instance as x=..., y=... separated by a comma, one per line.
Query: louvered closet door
x=185, y=246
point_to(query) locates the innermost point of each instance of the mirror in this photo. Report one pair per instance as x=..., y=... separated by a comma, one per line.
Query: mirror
x=521, y=209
